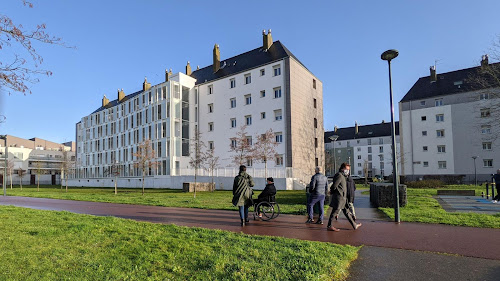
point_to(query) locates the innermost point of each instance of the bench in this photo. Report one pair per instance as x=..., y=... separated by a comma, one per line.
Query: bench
x=200, y=186
x=457, y=192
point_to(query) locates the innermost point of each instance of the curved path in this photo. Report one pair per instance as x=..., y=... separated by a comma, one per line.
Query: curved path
x=465, y=241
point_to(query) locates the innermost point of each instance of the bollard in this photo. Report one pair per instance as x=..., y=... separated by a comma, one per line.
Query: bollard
x=487, y=191
x=492, y=190
x=482, y=194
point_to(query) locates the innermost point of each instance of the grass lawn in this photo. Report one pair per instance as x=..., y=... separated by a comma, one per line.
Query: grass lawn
x=423, y=208
x=49, y=245
x=290, y=202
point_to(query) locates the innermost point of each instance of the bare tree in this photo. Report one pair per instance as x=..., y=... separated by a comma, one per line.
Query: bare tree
x=365, y=170
x=10, y=170
x=145, y=159
x=197, y=157
x=265, y=148
x=241, y=147
x=66, y=167
x=116, y=169
x=17, y=72
x=39, y=171
x=211, y=163
x=21, y=173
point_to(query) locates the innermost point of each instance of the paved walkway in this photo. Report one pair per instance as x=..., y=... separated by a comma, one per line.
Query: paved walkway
x=474, y=204
x=465, y=241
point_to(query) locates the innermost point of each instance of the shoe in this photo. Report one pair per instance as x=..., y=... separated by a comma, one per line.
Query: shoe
x=354, y=218
x=494, y=201
x=357, y=226
x=319, y=222
x=310, y=221
x=260, y=215
x=242, y=222
x=336, y=218
x=247, y=220
x=331, y=228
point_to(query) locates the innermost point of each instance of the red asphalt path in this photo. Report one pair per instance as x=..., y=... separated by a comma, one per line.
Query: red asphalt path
x=465, y=241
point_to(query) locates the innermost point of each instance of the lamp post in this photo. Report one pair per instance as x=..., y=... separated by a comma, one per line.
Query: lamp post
x=388, y=56
x=475, y=174
x=333, y=138
x=4, y=137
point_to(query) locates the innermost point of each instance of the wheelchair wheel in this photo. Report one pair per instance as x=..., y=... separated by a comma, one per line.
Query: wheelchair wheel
x=267, y=210
x=276, y=210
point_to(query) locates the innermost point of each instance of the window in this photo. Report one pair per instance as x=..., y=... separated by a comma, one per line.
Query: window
x=314, y=103
x=277, y=70
x=439, y=102
x=359, y=165
x=233, y=122
x=485, y=112
x=249, y=162
x=262, y=115
x=248, y=78
x=249, y=140
x=486, y=145
x=486, y=129
x=234, y=143
x=485, y=96
x=277, y=115
x=381, y=158
x=380, y=140
x=442, y=164
x=369, y=150
x=248, y=99
x=425, y=148
x=314, y=83
x=232, y=83
x=439, y=117
x=315, y=142
x=369, y=157
x=369, y=141
x=359, y=157
x=262, y=72
x=233, y=102
x=210, y=145
x=423, y=118
x=424, y=133
x=210, y=126
x=277, y=92
x=441, y=149
x=262, y=93
x=279, y=160
x=211, y=108
x=380, y=149
x=440, y=133
x=248, y=119
x=426, y=164
x=315, y=123
x=359, y=148
x=210, y=89
x=488, y=163
x=422, y=103
x=279, y=137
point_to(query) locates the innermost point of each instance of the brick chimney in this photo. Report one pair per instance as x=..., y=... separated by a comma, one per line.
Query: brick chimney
x=267, y=40
x=167, y=74
x=188, y=69
x=433, y=74
x=356, y=129
x=105, y=101
x=216, y=64
x=121, y=95
x=484, y=61
x=146, y=86
x=335, y=129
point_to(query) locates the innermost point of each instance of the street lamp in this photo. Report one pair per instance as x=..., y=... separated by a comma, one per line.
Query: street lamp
x=333, y=138
x=388, y=56
x=475, y=174
x=4, y=137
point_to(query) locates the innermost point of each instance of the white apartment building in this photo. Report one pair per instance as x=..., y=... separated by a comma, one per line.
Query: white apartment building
x=264, y=88
x=367, y=148
x=36, y=158
x=448, y=126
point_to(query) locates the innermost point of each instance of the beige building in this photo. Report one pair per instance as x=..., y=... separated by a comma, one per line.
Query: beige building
x=35, y=157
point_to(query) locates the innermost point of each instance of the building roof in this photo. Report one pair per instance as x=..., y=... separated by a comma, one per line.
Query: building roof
x=366, y=131
x=242, y=62
x=230, y=66
x=448, y=83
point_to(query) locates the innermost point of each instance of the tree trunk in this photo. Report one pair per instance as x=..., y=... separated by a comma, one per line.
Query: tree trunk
x=66, y=183
x=21, y=182
x=265, y=169
x=38, y=185
x=213, y=186
x=143, y=182
x=195, y=173
x=10, y=180
x=116, y=190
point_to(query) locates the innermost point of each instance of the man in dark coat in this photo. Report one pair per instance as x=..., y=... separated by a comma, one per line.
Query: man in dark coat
x=496, y=177
x=266, y=194
x=338, y=200
x=317, y=190
x=242, y=193
x=351, y=189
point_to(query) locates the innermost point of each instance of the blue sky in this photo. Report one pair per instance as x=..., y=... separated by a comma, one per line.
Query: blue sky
x=118, y=43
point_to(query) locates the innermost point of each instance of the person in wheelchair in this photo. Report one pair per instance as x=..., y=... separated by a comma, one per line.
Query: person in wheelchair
x=268, y=192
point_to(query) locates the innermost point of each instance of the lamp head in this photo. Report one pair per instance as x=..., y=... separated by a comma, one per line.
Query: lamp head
x=333, y=137
x=389, y=54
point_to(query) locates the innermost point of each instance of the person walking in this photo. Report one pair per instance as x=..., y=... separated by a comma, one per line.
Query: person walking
x=242, y=193
x=351, y=189
x=338, y=201
x=317, y=191
x=496, y=177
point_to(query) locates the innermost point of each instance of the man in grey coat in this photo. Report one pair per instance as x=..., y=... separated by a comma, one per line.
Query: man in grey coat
x=338, y=200
x=317, y=190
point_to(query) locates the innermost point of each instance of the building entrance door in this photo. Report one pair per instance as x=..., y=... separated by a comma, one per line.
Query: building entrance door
x=32, y=180
x=53, y=179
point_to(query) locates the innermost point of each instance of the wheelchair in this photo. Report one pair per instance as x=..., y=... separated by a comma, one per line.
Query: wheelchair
x=268, y=208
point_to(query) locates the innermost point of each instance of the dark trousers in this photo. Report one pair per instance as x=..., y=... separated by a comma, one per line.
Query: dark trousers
x=347, y=214
x=313, y=199
x=243, y=212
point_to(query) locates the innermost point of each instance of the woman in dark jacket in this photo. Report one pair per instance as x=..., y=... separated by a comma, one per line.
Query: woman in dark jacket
x=338, y=200
x=242, y=193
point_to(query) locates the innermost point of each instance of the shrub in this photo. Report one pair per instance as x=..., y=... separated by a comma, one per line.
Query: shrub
x=425, y=184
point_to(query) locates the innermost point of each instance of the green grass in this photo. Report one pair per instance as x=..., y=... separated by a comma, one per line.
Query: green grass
x=422, y=207
x=290, y=202
x=49, y=245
